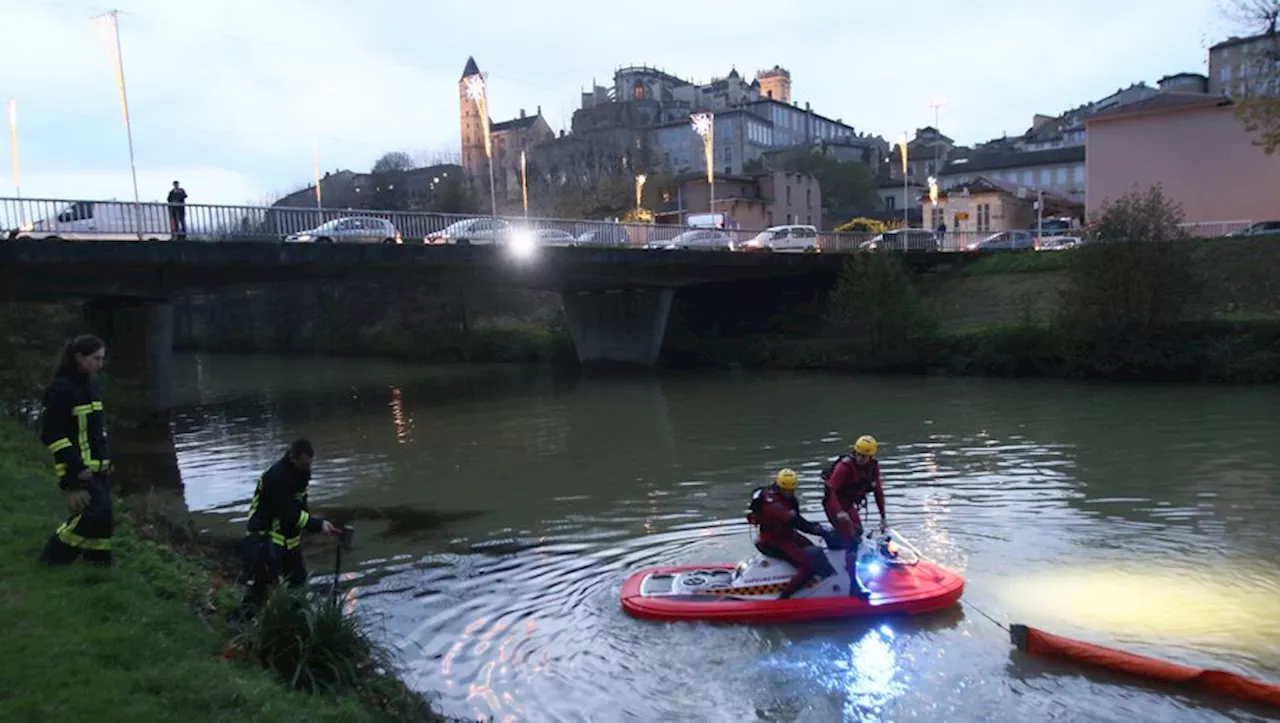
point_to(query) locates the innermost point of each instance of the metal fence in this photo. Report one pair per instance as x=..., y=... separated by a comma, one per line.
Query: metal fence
x=120, y=220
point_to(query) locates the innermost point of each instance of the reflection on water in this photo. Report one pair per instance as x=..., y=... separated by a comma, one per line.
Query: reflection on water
x=499, y=509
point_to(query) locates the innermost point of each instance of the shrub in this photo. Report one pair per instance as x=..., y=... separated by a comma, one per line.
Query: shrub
x=861, y=225
x=304, y=637
x=1129, y=286
x=878, y=308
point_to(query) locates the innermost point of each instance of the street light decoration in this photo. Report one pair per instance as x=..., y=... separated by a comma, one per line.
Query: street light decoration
x=640, y=179
x=475, y=90
x=704, y=124
x=933, y=190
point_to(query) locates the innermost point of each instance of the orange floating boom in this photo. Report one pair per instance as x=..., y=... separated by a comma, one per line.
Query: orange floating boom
x=1037, y=642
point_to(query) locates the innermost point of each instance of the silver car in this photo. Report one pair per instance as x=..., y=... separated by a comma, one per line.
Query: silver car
x=350, y=229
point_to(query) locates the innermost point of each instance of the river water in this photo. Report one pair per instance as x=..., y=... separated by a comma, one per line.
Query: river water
x=498, y=510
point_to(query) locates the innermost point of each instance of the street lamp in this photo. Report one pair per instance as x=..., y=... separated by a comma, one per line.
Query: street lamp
x=704, y=124
x=476, y=92
x=640, y=179
x=524, y=185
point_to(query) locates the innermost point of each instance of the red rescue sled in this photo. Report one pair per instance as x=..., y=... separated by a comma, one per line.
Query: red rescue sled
x=898, y=580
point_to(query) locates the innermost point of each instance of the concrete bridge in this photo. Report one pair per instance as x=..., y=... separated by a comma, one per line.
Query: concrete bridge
x=616, y=300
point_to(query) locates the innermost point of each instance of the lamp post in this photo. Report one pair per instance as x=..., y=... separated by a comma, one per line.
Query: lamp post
x=640, y=179
x=524, y=185
x=906, y=195
x=704, y=124
x=476, y=92
x=17, y=167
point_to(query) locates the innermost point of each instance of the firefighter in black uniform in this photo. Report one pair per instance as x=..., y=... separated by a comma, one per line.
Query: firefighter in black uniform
x=278, y=515
x=73, y=428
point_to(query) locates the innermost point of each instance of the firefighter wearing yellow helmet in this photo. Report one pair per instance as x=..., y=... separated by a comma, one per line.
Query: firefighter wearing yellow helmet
x=777, y=512
x=846, y=484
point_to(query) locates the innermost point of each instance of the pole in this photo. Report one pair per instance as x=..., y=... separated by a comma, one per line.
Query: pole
x=1039, y=216
x=111, y=19
x=524, y=185
x=17, y=167
x=315, y=161
x=493, y=194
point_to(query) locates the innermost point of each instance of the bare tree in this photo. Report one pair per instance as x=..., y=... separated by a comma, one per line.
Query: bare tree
x=1256, y=89
x=393, y=161
x=1254, y=16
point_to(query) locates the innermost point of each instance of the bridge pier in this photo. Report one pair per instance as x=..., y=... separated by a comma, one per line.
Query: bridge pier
x=618, y=326
x=139, y=337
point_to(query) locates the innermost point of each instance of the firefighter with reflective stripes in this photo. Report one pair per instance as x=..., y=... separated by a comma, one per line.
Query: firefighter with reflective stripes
x=278, y=515
x=777, y=512
x=73, y=428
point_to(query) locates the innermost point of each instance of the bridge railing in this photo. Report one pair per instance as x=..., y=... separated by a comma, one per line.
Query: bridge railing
x=122, y=220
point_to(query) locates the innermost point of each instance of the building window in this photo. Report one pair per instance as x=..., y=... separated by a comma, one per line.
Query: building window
x=1027, y=178
x=937, y=216
x=1079, y=175
x=788, y=198
x=890, y=202
x=984, y=217
x=1062, y=176
x=1046, y=177
x=808, y=198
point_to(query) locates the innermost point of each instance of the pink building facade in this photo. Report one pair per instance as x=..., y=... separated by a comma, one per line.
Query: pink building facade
x=1193, y=145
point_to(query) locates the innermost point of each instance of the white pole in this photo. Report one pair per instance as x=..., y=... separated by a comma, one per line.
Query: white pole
x=1039, y=216
x=17, y=167
x=111, y=20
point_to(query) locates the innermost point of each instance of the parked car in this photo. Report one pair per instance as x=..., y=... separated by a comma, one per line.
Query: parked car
x=1262, y=228
x=554, y=237
x=350, y=229
x=700, y=239
x=472, y=231
x=1005, y=241
x=1059, y=243
x=101, y=221
x=605, y=235
x=801, y=238
x=903, y=239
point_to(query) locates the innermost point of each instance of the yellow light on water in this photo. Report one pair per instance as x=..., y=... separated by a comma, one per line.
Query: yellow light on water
x=1220, y=600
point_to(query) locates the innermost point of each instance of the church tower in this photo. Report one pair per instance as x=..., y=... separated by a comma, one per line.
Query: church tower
x=473, y=158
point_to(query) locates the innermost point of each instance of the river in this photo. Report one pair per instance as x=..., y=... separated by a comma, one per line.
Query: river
x=499, y=508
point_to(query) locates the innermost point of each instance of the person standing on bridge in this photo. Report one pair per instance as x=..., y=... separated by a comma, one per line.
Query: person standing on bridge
x=73, y=428
x=278, y=515
x=178, y=212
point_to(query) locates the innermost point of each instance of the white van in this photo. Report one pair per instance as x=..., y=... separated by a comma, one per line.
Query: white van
x=799, y=237
x=102, y=221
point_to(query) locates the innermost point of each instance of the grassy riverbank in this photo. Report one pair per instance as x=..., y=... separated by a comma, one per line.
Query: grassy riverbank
x=140, y=641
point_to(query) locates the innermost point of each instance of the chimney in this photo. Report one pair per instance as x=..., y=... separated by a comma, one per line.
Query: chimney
x=522, y=112
x=539, y=110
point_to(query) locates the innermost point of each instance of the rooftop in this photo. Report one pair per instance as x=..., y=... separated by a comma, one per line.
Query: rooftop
x=1169, y=100
x=992, y=160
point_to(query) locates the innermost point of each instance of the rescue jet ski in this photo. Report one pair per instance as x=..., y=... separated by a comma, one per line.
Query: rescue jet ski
x=895, y=574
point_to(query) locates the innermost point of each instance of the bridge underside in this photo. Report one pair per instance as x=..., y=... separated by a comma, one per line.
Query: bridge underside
x=616, y=301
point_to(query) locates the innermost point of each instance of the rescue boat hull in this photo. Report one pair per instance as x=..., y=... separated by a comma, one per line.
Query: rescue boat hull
x=662, y=593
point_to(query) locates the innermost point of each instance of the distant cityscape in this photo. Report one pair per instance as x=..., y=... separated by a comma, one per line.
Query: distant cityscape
x=641, y=124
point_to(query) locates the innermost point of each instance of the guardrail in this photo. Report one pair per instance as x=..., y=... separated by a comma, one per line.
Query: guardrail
x=123, y=220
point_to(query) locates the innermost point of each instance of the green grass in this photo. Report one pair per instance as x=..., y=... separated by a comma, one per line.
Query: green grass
x=125, y=643
x=1017, y=262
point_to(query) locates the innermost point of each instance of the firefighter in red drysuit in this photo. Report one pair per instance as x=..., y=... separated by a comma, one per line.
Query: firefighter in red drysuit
x=777, y=512
x=847, y=483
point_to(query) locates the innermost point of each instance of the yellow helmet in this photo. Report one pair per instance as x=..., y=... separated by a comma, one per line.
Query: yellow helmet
x=787, y=480
x=867, y=445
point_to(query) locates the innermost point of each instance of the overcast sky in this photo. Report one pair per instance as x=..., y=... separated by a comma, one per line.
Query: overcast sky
x=226, y=96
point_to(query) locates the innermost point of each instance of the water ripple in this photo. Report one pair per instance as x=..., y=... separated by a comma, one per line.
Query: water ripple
x=1118, y=515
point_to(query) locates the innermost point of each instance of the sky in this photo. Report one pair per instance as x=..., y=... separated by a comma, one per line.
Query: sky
x=237, y=98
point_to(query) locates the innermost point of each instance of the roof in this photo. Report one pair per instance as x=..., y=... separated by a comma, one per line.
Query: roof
x=1169, y=100
x=1234, y=41
x=891, y=184
x=991, y=160
x=471, y=69
x=515, y=124
x=986, y=184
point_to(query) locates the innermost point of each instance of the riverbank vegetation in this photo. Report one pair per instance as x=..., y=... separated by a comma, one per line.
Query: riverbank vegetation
x=144, y=639
x=1143, y=303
